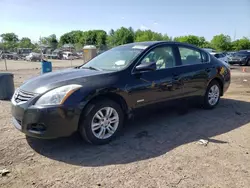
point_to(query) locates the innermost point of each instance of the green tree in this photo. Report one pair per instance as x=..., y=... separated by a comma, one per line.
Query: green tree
x=9, y=37
x=25, y=42
x=101, y=39
x=78, y=47
x=9, y=41
x=51, y=41
x=110, y=38
x=190, y=39
x=221, y=42
x=123, y=36
x=241, y=44
x=148, y=35
x=72, y=37
x=166, y=37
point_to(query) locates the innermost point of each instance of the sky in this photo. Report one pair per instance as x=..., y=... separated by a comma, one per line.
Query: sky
x=40, y=18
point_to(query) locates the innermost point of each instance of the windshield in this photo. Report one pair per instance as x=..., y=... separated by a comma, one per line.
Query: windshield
x=115, y=59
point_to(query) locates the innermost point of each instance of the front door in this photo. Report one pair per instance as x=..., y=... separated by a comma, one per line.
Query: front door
x=155, y=86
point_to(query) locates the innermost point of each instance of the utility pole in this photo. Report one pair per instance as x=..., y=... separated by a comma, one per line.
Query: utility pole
x=5, y=63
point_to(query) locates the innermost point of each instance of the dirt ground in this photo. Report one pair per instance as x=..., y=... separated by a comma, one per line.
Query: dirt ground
x=24, y=65
x=159, y=149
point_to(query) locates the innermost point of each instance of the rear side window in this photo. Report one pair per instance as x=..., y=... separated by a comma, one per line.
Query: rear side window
x=190, y=56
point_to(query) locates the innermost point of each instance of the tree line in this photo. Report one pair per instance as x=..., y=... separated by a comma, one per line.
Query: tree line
x=123, y=35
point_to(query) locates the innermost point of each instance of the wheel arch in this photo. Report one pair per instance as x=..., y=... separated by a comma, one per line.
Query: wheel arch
x=220, y=83
x=110, y=96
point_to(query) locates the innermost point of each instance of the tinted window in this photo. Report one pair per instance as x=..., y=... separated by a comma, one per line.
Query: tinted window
x=190, y=56
x=163, y=56
x=217, y=55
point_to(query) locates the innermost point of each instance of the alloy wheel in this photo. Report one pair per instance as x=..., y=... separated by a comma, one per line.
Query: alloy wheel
x=213, y=95
x=105, y=123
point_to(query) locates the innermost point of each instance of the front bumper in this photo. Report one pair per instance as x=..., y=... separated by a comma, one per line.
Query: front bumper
x=45, y=122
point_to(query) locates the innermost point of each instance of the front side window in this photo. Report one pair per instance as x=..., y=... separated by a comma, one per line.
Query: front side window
x=162, y=56
x=190, y=56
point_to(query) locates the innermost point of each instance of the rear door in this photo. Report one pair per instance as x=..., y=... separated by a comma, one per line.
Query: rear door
x=194, y=70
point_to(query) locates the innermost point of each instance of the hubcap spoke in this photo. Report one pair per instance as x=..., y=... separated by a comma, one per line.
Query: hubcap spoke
x=105, y=123
x=96, y=126
x=102, y=132
x=109, y=112
x=114, y=120
x=110, y=129
x=99, y=114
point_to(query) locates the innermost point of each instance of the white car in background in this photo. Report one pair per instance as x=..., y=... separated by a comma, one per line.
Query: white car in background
x=68, y=56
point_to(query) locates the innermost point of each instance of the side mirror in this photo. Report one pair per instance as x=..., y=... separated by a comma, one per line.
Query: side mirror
x=146, y=67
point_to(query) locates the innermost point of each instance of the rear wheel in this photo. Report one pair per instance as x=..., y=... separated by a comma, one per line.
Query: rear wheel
x=101, y=121
x=212, y=96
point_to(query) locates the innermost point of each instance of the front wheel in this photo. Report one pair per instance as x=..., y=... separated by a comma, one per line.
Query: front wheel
x=212, y=96
x=101, y=121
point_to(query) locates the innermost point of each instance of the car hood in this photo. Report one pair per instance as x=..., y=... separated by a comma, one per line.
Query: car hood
x=48, y=81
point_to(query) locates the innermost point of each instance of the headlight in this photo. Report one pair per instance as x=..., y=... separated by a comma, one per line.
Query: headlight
x=57, y=96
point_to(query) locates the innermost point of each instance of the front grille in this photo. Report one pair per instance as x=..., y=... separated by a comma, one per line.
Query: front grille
x=23, y=96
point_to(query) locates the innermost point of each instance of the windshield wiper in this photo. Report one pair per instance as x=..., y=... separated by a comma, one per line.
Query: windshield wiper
x=91, y=68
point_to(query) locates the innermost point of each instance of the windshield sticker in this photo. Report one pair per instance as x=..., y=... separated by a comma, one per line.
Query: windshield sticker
x=120, y=62
x=139, y=47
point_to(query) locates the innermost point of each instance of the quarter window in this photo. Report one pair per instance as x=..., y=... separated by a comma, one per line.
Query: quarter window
x=190, y=56
x=162, y=56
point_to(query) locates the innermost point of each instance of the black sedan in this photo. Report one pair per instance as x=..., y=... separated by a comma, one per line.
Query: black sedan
x=96, y=97
x=241, y=58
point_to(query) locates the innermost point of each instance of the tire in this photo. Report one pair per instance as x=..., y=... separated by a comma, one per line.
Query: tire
x=208, y=104
x=89, y=116
x=248, y=63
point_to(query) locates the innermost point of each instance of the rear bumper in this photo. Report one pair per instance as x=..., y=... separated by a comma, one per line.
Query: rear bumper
x=50, y=122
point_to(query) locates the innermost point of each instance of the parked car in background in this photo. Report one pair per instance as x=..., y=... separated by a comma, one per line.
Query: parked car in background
x=68, y=55
x=96, y=97
x=230, y=54
x=23, y=52
x=33, y=57
x=242, y=58
x=209, y=49
x=10, y=55
x=220, y=56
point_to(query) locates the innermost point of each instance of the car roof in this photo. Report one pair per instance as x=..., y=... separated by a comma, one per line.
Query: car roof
x=213, y=53
x=152, y=43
